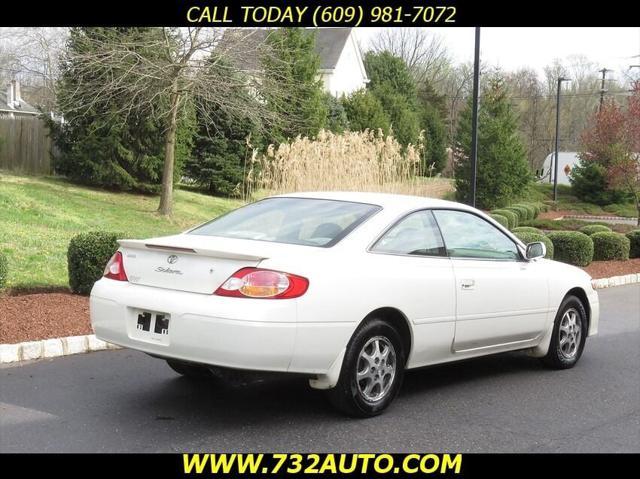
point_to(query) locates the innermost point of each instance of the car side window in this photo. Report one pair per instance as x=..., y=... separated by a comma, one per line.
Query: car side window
x=415, y=234
x=469, y=236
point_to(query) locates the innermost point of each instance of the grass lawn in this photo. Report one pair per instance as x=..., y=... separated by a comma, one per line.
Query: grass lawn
x=38, y=217
x=566, y=201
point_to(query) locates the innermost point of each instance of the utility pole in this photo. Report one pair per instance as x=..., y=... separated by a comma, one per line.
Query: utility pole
x=474, y=118
x=555, y=166
x=604, y=72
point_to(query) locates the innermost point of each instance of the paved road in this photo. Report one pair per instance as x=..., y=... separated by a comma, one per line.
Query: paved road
x=127, y=401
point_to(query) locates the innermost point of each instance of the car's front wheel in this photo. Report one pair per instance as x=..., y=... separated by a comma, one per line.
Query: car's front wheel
x=372, y=370
x=569, y=335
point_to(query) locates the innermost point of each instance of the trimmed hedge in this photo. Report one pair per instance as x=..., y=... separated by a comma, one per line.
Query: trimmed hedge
x=572, y=247
x=521, y=211
x=87, y=256
x=528, y=229
x=634, y=240
x=608, y=245
x=591, y=229
x=527, y=238
x=510, y=215
x=4, y=269
x=500, y=219
x=532, y=212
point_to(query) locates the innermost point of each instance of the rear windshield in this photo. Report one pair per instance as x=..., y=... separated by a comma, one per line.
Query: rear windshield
x=301, y=221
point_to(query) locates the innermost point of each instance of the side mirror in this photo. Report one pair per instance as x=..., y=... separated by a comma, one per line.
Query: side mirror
x=536, y=250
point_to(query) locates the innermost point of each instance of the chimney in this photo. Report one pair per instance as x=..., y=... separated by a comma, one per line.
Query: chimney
x=17, y=98
x=10, y=95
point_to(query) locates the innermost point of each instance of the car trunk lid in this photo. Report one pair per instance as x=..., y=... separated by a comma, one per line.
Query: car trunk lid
x=186, y=262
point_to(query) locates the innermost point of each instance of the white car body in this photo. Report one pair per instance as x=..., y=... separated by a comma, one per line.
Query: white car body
x=452, y=308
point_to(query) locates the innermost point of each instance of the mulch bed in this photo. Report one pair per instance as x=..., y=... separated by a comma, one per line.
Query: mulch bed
x=552, y=215
x=606, y=269
x=29, y=317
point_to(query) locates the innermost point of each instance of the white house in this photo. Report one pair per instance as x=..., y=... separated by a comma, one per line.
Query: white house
x=12, y=104
x=341, y=67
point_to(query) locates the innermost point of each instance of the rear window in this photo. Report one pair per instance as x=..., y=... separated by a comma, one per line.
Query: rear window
x=301, y=221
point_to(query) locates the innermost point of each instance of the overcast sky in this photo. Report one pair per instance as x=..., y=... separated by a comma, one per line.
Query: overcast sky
x=512, y=48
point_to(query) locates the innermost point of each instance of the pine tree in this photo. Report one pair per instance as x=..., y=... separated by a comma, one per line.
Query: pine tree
x=223, y=142
x=364, y=111
x=503, y=171
x=291, y=69
x=410, y=110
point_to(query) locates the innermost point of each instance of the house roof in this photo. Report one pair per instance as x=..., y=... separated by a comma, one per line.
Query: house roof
x=330, y=43
x=24, y=107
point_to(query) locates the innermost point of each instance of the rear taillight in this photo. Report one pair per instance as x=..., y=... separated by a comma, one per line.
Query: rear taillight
x=263, y=283
x=115, y=268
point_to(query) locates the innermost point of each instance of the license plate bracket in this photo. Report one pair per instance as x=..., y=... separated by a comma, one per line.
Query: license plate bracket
x=150, y=326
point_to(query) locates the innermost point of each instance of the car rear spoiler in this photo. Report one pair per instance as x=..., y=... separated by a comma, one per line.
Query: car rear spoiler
x=143, y=245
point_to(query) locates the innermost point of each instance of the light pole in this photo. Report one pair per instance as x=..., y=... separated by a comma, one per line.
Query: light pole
x=474, y=118
x=555, y=166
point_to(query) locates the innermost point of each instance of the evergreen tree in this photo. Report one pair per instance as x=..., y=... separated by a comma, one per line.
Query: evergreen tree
x=364, y=111
x=434, y=155
x=291, y=69
x=337, y=120
x=503, y=171
x=410, y=109
x=223, y=142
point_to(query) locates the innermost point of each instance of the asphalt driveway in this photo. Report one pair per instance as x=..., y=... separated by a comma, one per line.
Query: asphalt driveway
x=126, y=401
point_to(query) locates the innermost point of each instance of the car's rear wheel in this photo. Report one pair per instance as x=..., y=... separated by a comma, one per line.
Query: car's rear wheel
x=372, y=370
x=190, y=370
x=569, y=335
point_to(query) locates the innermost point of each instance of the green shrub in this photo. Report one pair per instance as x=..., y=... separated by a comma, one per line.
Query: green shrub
x=634, y=240
x=610, y=246
x=510, y=215
x=572, y=247
x=87, y=256
x=591, y=229
x=4, y=269
x=527, y=238
x=501, y=219
x=523, y=213
x=543, y=207
x=530, y=209
x=528, y=229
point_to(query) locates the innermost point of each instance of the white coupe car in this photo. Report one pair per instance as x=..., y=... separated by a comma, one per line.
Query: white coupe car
x=347, y=289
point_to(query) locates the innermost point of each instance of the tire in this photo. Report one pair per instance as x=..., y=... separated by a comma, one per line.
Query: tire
x=190, y=370
x=569, y=335
x=352, y=396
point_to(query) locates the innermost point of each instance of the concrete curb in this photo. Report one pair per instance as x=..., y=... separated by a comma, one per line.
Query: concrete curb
x=602, y=283
x=52, y=348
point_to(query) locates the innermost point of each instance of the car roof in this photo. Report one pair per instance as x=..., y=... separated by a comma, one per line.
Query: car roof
x=386, y=200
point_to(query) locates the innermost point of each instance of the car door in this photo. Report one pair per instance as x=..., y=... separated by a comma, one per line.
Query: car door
x=417, y=278
x=502, y=299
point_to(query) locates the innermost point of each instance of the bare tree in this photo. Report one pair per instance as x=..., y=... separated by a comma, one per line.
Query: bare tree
x=424, y=52
x=156, y=72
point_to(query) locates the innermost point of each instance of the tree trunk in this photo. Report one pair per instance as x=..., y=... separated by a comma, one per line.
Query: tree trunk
x=166, y=193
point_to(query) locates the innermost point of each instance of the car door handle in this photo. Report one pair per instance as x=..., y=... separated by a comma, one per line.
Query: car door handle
x=467, y=284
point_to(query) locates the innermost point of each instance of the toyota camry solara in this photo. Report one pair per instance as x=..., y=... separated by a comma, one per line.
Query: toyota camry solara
x=346, y=289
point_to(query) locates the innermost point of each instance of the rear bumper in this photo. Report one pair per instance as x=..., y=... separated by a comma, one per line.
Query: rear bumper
x=205, y=329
